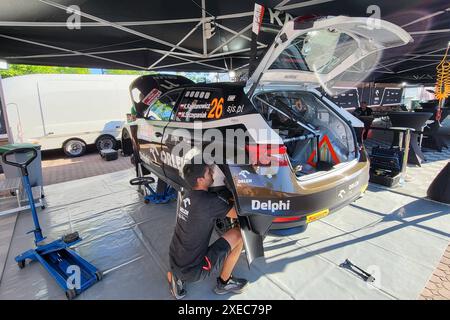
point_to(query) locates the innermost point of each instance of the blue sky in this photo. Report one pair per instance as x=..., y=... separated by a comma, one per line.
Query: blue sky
x=96, y=71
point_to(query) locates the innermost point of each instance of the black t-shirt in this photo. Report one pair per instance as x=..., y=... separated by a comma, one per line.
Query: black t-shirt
x=360, y=112
x=196, y=216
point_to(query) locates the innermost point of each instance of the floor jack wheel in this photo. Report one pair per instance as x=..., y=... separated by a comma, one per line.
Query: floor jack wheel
x=99, y=275
x=70, y=294
x=21, y=264
x=71, y=237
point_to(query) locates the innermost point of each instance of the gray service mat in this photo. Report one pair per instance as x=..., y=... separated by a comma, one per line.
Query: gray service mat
x=398, y=238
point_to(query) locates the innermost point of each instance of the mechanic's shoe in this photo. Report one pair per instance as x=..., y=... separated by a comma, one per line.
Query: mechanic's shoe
x=235, y=285
x=177, y=286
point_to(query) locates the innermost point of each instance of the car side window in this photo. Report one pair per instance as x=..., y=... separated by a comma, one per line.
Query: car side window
x=163, y=108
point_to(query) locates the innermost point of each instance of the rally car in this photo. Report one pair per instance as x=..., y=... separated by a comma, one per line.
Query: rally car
x=285, y=152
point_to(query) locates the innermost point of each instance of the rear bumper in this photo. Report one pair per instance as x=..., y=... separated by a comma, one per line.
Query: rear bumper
x=302, y=221
x=283, y=196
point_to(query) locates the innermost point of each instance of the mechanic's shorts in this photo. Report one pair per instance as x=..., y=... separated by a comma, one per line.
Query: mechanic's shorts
x=212, y=261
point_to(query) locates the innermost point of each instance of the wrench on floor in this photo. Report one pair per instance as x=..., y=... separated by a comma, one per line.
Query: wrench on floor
x=360, y=272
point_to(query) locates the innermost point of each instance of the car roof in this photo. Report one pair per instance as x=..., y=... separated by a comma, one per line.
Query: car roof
x=216, y=85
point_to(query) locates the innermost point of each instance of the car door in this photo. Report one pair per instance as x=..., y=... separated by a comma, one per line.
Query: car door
x=152, y=148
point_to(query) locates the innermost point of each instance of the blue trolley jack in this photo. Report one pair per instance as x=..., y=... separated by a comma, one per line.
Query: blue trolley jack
x=71, y=272
x=168, y=193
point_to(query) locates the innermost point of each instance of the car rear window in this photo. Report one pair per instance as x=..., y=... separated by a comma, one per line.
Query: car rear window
x=319, y=51
x=210, y=104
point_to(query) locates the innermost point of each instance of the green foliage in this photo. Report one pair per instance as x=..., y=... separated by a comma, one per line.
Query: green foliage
x=195, y=76
x=128, y=72
x=22, y=69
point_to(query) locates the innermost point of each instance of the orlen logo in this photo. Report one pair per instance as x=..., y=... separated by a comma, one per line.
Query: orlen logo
x=353, y=185
x=271, y=206
x=243, y=175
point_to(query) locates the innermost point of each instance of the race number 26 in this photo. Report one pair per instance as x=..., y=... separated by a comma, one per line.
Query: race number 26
x=216, y=109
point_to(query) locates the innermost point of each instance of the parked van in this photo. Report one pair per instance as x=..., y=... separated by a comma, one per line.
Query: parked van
x=67, y=111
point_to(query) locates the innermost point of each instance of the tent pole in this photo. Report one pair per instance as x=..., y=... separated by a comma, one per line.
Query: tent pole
x=205, y=43
x=122, y=28
x=4, y=113
x=180, y=42
x=72, y=51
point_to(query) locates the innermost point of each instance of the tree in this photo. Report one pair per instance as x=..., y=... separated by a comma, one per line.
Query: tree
x=129, y=72
x=23, y=69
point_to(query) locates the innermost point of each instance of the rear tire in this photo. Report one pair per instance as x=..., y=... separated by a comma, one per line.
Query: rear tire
x=106, y=142
x=74, y=148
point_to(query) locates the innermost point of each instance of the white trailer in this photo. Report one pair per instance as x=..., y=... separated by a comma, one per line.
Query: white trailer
x=67, y=111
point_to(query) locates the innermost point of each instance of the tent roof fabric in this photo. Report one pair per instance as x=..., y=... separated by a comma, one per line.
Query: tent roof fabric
x=165, y=35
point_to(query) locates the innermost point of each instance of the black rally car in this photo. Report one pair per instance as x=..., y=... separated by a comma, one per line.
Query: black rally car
x=294, y=156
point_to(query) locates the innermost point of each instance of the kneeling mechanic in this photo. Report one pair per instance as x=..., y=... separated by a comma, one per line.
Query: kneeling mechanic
x=191, y=257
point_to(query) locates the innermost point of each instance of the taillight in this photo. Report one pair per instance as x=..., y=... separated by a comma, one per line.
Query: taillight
x=287, y=219
x=267, y=155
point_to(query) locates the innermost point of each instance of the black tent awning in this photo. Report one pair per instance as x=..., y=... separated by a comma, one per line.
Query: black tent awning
x=172, y=34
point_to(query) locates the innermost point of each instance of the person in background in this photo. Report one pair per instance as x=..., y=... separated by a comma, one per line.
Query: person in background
x=132, y=115
x=365, y=114
x=300, y=108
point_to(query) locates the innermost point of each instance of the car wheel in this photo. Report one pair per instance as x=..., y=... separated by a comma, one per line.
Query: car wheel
x=106, y=142
x=74, y=148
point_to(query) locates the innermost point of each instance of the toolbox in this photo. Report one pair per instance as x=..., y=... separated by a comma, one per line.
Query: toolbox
x=109, y=154
x=386, y=158
x=386, y=166
x=384, y=177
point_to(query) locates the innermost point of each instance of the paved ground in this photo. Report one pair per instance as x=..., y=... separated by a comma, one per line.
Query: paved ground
x=57, y=167
x=419, y=178
x=438, y=287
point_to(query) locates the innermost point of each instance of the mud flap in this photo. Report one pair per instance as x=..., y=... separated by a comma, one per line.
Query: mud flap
x=253, y=230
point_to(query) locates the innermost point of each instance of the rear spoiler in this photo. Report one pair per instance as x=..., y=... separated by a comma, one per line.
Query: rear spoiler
x=147, y=89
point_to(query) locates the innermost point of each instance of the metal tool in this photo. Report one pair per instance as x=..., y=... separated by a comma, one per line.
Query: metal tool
x=358, y=271
x=71, y=272
x=168, y=193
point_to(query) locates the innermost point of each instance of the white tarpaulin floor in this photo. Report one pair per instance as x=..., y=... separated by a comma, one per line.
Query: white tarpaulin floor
x=396, y=235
